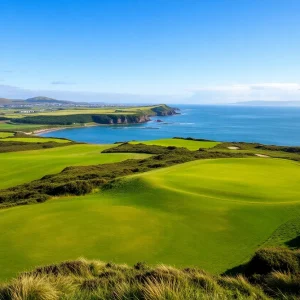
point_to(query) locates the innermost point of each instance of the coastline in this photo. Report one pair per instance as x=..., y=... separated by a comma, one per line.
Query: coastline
x=47, y=130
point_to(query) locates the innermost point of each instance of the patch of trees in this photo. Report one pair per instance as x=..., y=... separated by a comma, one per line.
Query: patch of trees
x=192, y=139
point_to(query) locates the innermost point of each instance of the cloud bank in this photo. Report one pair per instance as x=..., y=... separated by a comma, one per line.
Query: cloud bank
x=248, y=92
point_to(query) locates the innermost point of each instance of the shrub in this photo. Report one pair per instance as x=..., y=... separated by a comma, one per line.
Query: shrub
x=267, y=260
x=72, y=188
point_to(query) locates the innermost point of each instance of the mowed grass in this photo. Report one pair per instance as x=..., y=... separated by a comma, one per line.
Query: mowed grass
x=211, y=214
x=20, y=127
x=5, y=134
x=189, y=144
x=25, y=166
x=35, y=140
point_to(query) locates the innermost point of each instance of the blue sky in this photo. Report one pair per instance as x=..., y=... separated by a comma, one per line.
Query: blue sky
x=204, y=51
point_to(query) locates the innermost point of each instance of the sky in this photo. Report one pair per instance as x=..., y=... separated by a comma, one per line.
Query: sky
x=189, y=51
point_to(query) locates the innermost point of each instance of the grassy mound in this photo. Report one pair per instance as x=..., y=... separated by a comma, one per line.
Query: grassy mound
x=83, y=279
x=211, y=213
x=272, y=273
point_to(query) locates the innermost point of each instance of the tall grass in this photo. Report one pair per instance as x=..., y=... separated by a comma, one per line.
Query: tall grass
x=86, y=280
x=83, y=279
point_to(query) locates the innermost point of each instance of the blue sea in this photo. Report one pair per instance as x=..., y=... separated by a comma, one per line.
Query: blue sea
x=268, y=125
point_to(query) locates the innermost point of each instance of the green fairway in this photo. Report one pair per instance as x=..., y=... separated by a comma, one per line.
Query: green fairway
x=21, y=127
x=35, y=140
x=189, y=144
x=208, y=213
x=5, y=134
x=25, y=166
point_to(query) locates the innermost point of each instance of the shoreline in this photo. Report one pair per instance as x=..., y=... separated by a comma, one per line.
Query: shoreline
x=47, y=130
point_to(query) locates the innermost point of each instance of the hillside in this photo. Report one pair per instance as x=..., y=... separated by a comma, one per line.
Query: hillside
x=211, y=207
x=78, y=116
x=5, y=101
x=44, y=100
x=216, y=224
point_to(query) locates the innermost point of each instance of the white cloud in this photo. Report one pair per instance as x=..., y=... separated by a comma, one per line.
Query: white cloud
x=247, y=92
x=61, y=82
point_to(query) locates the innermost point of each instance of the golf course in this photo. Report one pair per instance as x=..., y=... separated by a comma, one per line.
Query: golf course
x=211, y=213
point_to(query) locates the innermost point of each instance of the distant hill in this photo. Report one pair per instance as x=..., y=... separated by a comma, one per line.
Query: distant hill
x=42, y=99
x=269, y=103
x=5, y=101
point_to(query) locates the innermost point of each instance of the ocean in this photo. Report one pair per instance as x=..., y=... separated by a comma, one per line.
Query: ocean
x=267, y=125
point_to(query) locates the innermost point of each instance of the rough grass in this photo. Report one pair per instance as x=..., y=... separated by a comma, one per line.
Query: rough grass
x=209, y=213
x=25, y=166
x=83, y=279
x=189, y=144
x=286, y=234
x=286, y=152
x=272, y=273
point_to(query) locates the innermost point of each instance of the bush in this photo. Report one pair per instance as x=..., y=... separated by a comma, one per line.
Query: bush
x=72, y=188
x=268, y=260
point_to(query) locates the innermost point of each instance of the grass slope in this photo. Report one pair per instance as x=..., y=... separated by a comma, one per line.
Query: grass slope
x=34, y=140
x=6, y=134
x=191, y=145
x=21, y=127
x=211, y=213
x=25, y=166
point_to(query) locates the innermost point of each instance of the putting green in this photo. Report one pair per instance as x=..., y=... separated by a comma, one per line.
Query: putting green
x=211, y=213
x=189, y=144
x=25, y=166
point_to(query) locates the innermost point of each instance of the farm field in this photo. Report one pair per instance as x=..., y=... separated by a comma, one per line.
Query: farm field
x=211, y=213
x=189, y=144
x=6, y=134
x=25, y=166
x=20, y=127
x=9, y=113
x=34, y=140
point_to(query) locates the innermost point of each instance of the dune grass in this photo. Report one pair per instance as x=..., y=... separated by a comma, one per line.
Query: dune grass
x=25, y=166
x=89, y=280
x=35, y=140
x=211, y=213
x=189, y=144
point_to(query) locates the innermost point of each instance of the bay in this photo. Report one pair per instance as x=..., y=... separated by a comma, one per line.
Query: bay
x=268, y=125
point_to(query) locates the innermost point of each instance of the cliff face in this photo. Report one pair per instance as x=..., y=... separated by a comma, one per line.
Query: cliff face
x=132, y=119
x=163, y=110
x=169, y=112
x=141, y=116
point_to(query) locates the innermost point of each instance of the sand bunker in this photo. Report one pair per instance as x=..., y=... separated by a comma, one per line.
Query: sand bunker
x=233, y=148
x=262, y=155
